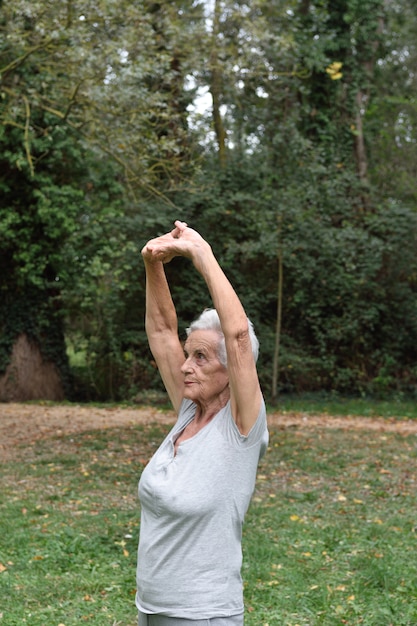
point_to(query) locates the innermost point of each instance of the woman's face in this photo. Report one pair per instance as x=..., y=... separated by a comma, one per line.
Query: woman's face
x=205, y=378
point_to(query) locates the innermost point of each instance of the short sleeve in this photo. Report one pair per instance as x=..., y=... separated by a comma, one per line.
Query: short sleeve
x=257, y=436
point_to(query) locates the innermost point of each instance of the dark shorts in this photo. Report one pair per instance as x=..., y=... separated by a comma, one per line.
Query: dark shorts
x=162, y=620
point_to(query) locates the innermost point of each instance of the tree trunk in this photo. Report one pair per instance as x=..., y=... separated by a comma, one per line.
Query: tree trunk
x=29, y=376
x=216, y=88
x=362, y=97
x=275, y=366
x=360, y=150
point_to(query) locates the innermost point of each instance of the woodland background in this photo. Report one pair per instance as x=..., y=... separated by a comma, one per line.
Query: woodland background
x=300, y=170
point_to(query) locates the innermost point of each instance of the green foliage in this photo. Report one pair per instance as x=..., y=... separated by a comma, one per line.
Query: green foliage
x=99, y=152
x=102, y=69
x=391, y=118
x=37, y=214
x=79, y=84
x=353, y=295
x=103, y=299
x=349, y=276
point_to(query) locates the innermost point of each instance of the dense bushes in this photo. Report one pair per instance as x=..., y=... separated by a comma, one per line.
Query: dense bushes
x=310, y=168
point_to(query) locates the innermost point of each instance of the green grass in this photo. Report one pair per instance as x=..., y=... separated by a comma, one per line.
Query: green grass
x=400, y=408
x=330, y=537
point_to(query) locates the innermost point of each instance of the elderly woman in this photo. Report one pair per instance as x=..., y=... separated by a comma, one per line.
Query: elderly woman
x=196, y=489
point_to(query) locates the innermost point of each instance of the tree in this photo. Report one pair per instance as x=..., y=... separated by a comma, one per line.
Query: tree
x=301, y=174
x=38, y=204
x=301, y=86
x=76, y=86
x=391, y=118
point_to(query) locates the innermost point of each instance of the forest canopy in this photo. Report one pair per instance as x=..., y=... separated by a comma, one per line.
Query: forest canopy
x=284, y=131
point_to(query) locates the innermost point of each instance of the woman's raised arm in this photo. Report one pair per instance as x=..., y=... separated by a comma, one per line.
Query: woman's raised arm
x=243, y=379
x=162, y=328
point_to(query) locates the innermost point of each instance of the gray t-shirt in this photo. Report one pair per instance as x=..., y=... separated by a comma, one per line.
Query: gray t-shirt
x=193, y=506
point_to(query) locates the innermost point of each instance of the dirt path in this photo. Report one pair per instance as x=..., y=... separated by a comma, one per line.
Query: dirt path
x=26, y=423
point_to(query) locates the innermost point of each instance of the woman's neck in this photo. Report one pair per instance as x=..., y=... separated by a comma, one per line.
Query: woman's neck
x=206, y=411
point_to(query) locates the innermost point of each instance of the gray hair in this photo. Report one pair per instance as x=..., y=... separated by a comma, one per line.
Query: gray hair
x=209, y=320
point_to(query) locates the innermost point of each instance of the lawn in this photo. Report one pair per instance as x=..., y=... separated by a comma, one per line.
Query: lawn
x=330, y=537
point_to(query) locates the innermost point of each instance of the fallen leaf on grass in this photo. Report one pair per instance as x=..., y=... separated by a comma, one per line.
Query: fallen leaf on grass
x=3, y=568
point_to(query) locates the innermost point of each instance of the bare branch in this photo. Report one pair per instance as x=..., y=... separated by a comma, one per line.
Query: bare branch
x=26, y=141
x=19, y=61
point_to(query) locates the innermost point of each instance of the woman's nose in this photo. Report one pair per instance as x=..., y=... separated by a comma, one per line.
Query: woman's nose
x=187, y=365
